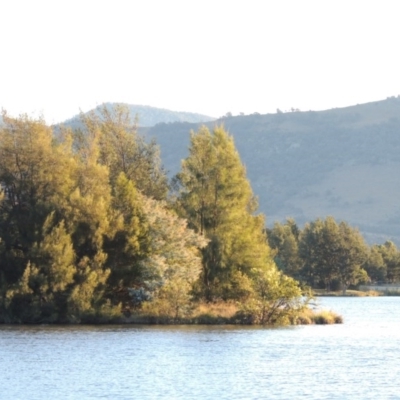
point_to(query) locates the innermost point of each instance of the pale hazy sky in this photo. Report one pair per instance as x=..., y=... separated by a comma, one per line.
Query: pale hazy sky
x=211, y=57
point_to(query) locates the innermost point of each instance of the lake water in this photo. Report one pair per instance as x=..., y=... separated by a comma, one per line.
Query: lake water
x=357, y=360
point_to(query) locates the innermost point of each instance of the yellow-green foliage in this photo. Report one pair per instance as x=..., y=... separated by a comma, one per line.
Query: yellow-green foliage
x=276, y=299
x=216, y=198
x=173, y=263
x=78, y=233
x=121, y=149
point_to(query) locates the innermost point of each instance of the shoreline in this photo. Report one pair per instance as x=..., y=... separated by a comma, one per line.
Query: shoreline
x=305, y=317
x=355, y=293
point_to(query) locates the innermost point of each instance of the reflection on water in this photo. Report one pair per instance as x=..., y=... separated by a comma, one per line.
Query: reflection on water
x=357, y=360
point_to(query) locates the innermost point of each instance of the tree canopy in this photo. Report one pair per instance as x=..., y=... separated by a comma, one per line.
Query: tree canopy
x=323, y=252
x=216, y=198
x=80, y=224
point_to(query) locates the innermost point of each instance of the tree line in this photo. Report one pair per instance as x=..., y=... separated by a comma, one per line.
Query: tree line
x=332, y=255
x=92, y=231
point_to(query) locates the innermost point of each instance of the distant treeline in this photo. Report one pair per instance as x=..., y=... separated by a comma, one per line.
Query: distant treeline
x=331, y=255
x=91, y=230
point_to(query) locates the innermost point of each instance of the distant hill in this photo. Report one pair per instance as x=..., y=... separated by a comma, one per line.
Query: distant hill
x=150, y=116
x=343, y=162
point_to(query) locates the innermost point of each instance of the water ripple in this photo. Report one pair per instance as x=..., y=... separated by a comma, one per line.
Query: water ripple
x=357, y=360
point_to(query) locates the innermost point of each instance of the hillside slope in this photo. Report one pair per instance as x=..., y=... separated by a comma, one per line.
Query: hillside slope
x=340, y=162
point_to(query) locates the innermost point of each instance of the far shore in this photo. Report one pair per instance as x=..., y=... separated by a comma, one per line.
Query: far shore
x=356, y=293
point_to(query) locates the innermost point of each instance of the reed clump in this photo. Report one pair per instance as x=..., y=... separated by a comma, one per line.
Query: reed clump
x=327, y=317
x=320, y=317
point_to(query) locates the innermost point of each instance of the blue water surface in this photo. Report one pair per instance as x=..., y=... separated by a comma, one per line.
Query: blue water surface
x=359, y=359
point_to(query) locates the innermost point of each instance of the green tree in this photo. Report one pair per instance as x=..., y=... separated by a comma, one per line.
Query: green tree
x=41, y=294
x=129, y=242
x=353, y=253
x=313, y=254
x=283, y=239
x=391, y=259
x=34, y=178
x=276, y=299
x=216, y=198
x=375, y=265
x=122, y=149
x=332, y=251
x=54, y=216
x=173, y=263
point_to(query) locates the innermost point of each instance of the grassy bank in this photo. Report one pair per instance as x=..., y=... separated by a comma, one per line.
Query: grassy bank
x=229, y=314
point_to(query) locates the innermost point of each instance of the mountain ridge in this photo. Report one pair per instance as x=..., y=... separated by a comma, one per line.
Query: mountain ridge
x=147, y=115
x=342, y=162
